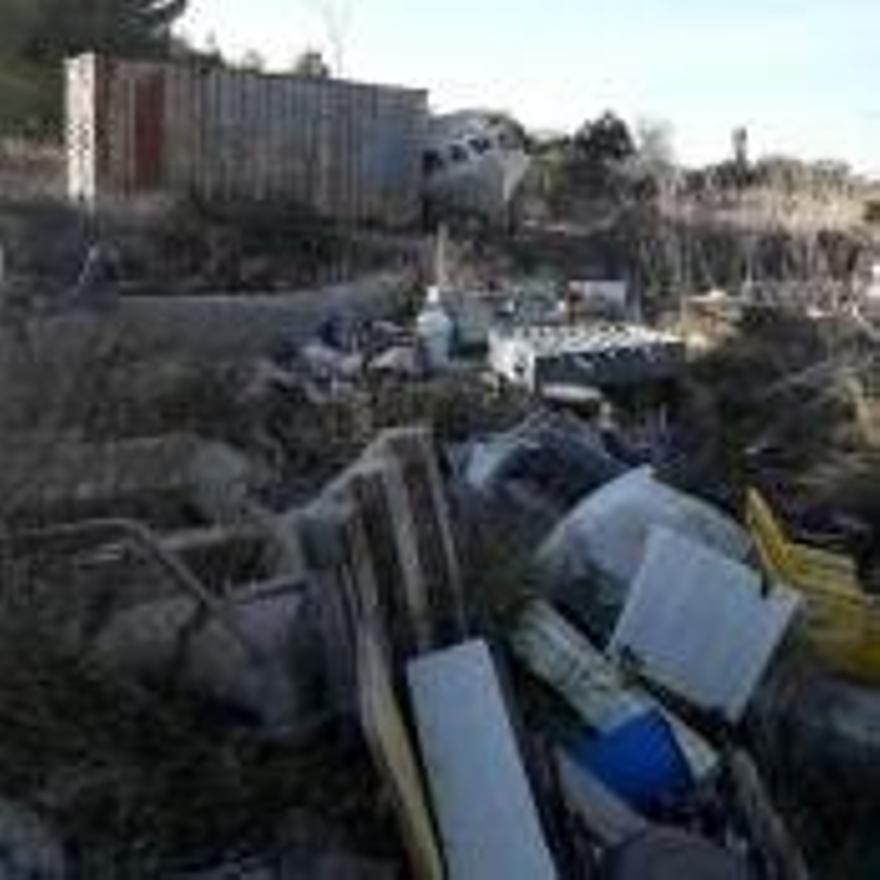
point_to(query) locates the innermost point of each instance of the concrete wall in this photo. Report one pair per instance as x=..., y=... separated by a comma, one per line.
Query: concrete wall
x=241, y=325
x=222, y=326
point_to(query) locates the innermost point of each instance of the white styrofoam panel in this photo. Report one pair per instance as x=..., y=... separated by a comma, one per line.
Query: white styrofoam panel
x=488, y=821
x=700, y=624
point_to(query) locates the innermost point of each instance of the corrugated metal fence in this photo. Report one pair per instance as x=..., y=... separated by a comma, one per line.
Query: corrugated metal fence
x=346, y=151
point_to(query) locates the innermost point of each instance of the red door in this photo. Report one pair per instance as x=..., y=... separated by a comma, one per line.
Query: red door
x=149, y=132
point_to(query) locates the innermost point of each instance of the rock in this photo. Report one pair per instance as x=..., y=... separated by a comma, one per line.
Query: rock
x=671, y=855
x=176, y=640
x=326, y=362
x=554, y=455
x=400, y=360
x=28, y=849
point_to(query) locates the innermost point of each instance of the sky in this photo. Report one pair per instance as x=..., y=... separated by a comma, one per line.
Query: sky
x=802, y=75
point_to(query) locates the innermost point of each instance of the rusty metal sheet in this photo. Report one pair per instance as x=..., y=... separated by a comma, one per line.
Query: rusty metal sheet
x=149, y=131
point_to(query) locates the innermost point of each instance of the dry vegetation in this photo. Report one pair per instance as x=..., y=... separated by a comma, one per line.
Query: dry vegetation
x=143, y=782
x=30, y=171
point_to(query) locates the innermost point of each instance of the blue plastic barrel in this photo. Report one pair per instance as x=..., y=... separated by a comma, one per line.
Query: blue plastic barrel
x=640, y=761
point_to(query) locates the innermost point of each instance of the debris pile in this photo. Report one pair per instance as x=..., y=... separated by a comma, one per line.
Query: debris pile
x=400, y=609
x=362, y=588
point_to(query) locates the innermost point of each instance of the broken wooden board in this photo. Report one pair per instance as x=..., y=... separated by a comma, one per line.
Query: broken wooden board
x=388, y=738
x=404, y=538
x=375, y=485
x=485, y=809
x=413, y=448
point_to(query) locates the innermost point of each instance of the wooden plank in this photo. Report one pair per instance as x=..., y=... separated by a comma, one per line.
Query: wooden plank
x=413, y=448
x=389, y=741
x=376, y=487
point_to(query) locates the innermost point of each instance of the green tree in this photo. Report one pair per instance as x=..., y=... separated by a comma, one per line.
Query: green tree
x=36, y=35
x=594, y=159
x=607, y=139
x=59, y=28
x=19, y=18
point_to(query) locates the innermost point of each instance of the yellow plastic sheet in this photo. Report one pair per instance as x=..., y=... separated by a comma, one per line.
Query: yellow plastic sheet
x=843, y=622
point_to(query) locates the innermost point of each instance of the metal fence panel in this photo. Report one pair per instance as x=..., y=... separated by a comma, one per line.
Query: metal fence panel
x=343, y=150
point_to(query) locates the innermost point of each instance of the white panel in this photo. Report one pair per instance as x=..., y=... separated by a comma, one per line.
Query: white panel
x=699, y=623
x=484, y=806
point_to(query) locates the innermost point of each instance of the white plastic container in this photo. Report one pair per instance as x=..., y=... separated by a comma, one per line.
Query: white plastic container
x=435, y=330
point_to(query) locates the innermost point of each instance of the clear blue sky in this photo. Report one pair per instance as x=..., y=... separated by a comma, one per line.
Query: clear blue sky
x=803, y=75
